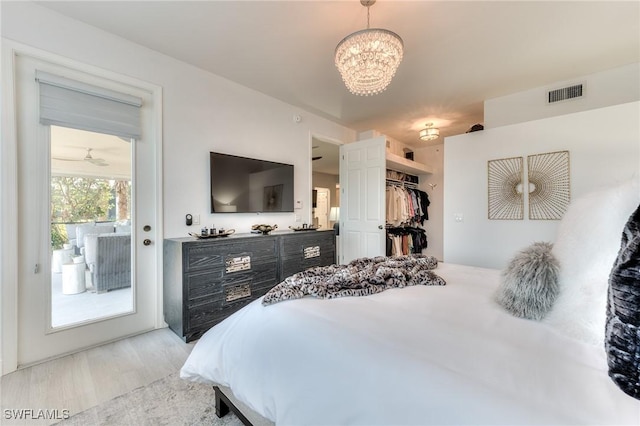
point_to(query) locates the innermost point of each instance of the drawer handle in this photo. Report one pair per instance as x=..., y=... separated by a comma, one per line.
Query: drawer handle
x=311, y=252
x=237, y=292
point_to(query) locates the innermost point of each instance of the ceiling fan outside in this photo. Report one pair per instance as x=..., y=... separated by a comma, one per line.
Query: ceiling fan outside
x=318, y=157
x=88, y=158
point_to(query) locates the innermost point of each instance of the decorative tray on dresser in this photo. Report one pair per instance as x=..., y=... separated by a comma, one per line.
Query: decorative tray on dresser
x=216, y=235
x=305, y=228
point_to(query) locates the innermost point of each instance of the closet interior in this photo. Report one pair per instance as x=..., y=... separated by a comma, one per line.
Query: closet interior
x=406, y=211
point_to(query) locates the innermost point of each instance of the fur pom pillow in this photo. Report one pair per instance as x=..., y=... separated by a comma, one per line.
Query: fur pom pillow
x=530, y=282
x=622, y=341
x=586, y=246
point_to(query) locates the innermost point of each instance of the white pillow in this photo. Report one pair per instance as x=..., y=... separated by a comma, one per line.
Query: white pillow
x=586, y=247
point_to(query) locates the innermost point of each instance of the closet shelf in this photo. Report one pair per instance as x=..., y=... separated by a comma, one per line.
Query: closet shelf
x=401, y=164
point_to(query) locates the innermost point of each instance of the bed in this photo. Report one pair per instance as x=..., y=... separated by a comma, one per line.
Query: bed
x=414, y=355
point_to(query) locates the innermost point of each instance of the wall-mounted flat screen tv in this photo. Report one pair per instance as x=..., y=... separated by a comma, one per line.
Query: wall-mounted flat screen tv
x=249, y=185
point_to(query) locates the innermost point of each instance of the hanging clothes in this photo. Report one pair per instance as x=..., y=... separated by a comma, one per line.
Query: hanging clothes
x=406, y=205
x=424, y=202
x=405, y=240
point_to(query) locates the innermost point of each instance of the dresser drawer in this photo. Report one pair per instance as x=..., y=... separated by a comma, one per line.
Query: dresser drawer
x=230, y=296
x=291, y=266
x=300, y=252
x=307, y=245
x=215, y=255
x=210, y=285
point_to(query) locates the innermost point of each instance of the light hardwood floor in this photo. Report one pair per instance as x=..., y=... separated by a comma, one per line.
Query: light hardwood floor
x=82, y=380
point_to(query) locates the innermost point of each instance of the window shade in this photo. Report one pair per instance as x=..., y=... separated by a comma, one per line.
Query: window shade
x=70, y=103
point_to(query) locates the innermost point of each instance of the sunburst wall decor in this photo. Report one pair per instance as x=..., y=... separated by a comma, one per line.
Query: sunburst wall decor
x=549, y=185
x=506, y=200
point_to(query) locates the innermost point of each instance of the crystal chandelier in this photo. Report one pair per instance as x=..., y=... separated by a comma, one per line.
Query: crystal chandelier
x=368, y=59
x=429, y=133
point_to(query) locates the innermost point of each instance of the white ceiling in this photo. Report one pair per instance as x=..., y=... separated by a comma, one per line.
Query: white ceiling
x=457, y=53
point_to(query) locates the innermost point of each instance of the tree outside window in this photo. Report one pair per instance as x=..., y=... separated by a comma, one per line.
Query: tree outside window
x=77, y=199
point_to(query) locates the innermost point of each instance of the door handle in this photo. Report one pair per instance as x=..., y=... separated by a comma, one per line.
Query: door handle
x=146, y=242
x=380, y=226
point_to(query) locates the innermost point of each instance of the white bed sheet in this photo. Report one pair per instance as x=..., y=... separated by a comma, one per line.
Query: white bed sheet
x=417, y=355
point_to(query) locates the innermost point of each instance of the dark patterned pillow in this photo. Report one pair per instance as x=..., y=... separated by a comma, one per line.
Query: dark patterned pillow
x=530, y=282
x=622, y=338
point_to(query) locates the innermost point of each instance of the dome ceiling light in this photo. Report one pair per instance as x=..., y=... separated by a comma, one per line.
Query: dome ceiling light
x=429, y=133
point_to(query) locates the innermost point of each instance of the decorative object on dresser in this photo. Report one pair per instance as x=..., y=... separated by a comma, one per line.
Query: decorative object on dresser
x=222, y=233
x=305, y=227
x=207, y=280
x=263, y=229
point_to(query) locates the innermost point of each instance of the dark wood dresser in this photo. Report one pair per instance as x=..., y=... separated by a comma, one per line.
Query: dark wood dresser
x=207, y=280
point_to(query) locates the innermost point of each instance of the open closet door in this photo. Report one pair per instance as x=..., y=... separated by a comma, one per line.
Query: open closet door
x=362, y=182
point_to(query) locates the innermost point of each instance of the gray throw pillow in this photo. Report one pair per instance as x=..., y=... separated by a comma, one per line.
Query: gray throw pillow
x=622, y=334
x=530, y=282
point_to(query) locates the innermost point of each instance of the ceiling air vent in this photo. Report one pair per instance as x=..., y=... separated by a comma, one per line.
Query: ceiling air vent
x=565, y=93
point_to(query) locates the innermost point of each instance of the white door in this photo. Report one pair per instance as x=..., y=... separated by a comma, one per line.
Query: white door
x=362, y=202
x=39, y=338
x=321, y=211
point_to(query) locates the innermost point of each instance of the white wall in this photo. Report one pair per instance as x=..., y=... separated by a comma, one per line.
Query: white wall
x=202, y=112
x=604, y=147
x=611, y=87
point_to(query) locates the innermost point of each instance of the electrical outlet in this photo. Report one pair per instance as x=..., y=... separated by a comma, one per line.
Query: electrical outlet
x=196, y=219
x=298, y=218
x=459, y=217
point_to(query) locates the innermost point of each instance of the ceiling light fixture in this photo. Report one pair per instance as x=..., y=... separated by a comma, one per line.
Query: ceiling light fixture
x=429, y=133
x=368, y=59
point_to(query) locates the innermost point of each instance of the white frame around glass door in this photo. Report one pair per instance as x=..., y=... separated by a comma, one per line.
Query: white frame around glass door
x=37, y=340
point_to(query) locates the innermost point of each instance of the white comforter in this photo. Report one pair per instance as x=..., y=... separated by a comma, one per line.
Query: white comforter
x=417, y=355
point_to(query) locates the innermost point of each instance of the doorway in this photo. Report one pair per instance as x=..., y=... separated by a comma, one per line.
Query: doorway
x=76, y=197
x=321, y=207
x=325, y=184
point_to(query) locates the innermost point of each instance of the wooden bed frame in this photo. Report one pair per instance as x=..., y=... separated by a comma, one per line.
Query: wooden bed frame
x=226, y=401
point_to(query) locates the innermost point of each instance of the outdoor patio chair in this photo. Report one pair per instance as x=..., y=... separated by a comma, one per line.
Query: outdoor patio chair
x=108, y=257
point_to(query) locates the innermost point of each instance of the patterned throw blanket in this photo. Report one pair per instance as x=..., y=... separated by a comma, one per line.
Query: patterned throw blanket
x=361, y=277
